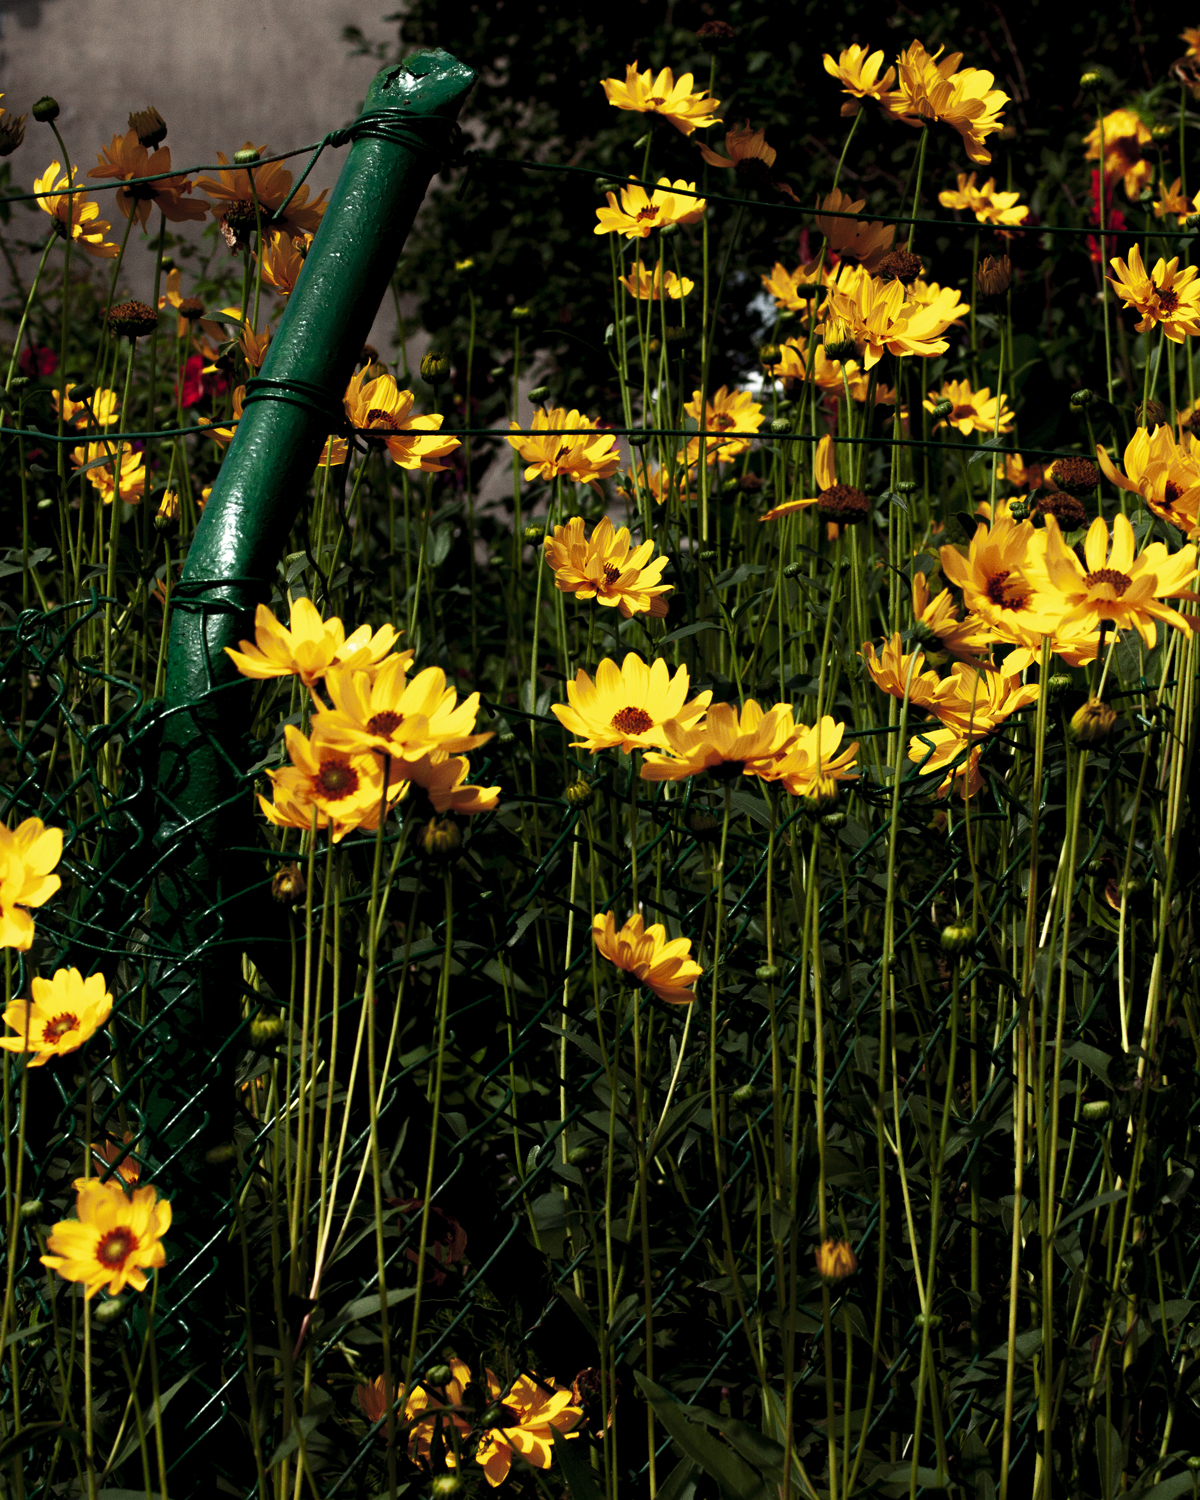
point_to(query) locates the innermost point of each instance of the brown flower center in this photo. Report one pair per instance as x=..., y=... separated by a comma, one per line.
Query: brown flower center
x=657, y=99
x=58, y=1028
x=116, y=1247
x=1171, y=492
x=336, y=778
x=377, y=417
x=998, y=591
x=632, y=721
x=384, y=723
x=722, y=422
x=649, y=212
x=960, y=413
x=1168, y=299
x=1119, y=581
x=611, y=573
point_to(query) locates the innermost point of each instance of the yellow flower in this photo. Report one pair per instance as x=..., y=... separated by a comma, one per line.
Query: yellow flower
x=1124, y=138
x=797, y=361
x=534, y=1410
x=972, y=411
x=824, y=475
x=422, y=1409
x=664, y=967
x=836, y=1260
x=1167, y=297
x=814, y=759
x=988, y=206
x=649, y=286
x=604, y=568
x=75, y=216
x=385, y=713
x=235, y=190
x=891, y=670
x=79, y=413
x=376, y=1397
x=639, y=212
x=663, y=482
x=627, y=706
x=130, y=483
x=1172, y=201
x=857, y=69
x=724, y=742
x=375, y=404
x=254, y=345
x=866, y=242
x=749, y=157
x=444, y=781
x=1191, y=35
x=972, y=704
x=881, y=317
x=282, y=259
x=663, y=95
x=930, y=90
x=308, y=646
x=728, y=411
x=126, y=157
x=1115, y=585
x=344, y=790
x=65, y=1011
x=564, y=450
x=114, y=1239
x=1164, y=473
x=223, y=436
x=968, y=640
x=782, y=283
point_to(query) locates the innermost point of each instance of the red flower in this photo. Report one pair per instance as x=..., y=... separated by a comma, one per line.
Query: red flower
x=1114, y=219
x=197, y=385
x=37, y=361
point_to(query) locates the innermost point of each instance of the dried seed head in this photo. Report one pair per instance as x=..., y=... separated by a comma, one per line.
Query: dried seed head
x=844, y=504
x=132, y=320
x=150, y=126
x=994, y=276
x=1075, y=475
x=1093, y=723
x=1067, y=509
x=900, y=265
x=191, y=308
x=714, y=36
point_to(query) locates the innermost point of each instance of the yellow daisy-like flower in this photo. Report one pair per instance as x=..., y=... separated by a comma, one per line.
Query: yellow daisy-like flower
x=988, y=206
x=814, y=758
x=972, y=705
x=223, y=436
x=891, y=670
x=857, y=70
x=1125, y=137
x=126, y=157
x=662, y=966
x=387, y=714
x=928, y=90
x=103, y=404
x=651, y=286
x=728, y=411
x=28, y=854
x=1164, y=473
x=1172, y=201
x=235, y=190
x=343, y=789
x=308, y=646
x=797, y=361
x=972, y=411
x=824, y=476
x=640, y=213
x=880, y=316
x=968, y=640
x=1115, y=584
x=868, y=243
x=376, y=405
x=282, y=258
x=76, y=217
x=533, y=1411
x=1191, y=35
x=750, y=158
x=604, y=567
x=443, y=779
x=129, y=483
x=564, y=450
x=661, y=94
x=1166, y=297
x=726, y=743
x=426, y=1413
x=627, y=706
x=65, y=1011
x=782, y=283
x=114, y=1239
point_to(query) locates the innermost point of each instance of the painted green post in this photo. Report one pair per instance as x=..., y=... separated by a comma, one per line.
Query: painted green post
x=205, y=809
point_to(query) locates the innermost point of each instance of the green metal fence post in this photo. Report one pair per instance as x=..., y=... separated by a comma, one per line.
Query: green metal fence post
x=204, y=808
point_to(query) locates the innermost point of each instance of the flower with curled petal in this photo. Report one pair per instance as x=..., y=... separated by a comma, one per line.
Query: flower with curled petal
x=243, y=196
x=897, y=673
x=848, y=234
x=65, y=1011
x=881, y=317
x=783, y=284
x=381, y=711
x=126, y=157
x=114, y=1239
x=988, y=206
x=1165, y=297
x=1125, y=138
x=857, y=69
x=282, y=258
x=76, y=217
x=604, y=567
x=1165, y=473
x=972, y=704
x=824, y=478
x=652, y=286
x=663, y=94
x=377, y=407
x=308, y=645
x=937, y=616
x=750, y=158
x=626, y=707
x=814, y=758
x=725, y=742
x=1171, y=200
x=443, y=779
x=640, y=213
x=727, y=411
x=664, y=967
x=928, y=89
x=557, y=447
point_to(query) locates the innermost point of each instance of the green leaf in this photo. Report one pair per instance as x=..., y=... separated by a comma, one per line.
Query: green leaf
x=151, y=1420
x=579, y=1308
x=928, y=1479
x=321, y=1407
x=572, y=1458
x=365, y=1307
x=737, y=1479
x=685, y=630
x=1092, y=1058
x=1109, y=1457
x=29, y=1437
x=681, y=1482
x=985, y=450
x=1099, y=1201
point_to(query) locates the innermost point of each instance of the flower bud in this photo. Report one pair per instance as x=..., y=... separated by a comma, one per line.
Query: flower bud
x=1019, y=510
x=577, y=1155
x=441, y=839
x=12, y=132
x=768, y=973
x=580, y=794
x=45, y=110
x=246, y=157
x=539, y=394
x=438, y=1375
x=704, y=827
x=522, y=314
x=1057, y=684
x=837, y=341
x=745, y=1096
x=906, y=486
x=465, y=265
x=1079, y=399
x=166, y=519
x=1093, y=723
x=84, y=391
x=1089, y=81
x=709, y=555
x=534, y=534
x=994, y=276
x=150, y=126
x=1150, y=414
x=1096, y=1109
x=1192, y=221
x=769, y=354
x=435, y=368
x=111, y=1310
x=793, y=570
x=808, y=291
x=31, y=1209
x=266, y=1030
x=1162, y=131
x=820, y=794
x=958, y=937
x=780, y=425
x=932, y=1321
x=446, y=1486
x=288, y=885
x=498, y=1415
x=942, y=409
x=835, y=1260
x=834, y=820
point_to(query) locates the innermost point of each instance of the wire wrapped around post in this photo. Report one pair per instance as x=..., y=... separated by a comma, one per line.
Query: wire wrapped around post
x=203, y=811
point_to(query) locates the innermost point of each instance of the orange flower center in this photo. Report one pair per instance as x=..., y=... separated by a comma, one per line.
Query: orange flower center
x=58, y=1028
x=657, y=99
x=336, y=778
x=384, y=723
x=632, y=721
x=1119, y=581
x=649, y=212
x=998, y=591
x=611, y=573
x=115, y=1248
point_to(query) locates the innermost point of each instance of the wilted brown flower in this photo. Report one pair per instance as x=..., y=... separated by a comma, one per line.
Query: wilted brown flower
x=1093, y=723
x=835, y=1260
x=994, y=276
x=1066, y=508
x=900, y=265
x=1075, y=475
x=150, y=126
x=843, y=504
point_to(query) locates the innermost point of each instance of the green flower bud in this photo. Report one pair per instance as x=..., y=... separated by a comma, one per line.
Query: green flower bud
x=441, y=839
x=768, y=973
x=1093, y=723
x=780, y=425
x=438, y=1375
x=31, y=1209
x=246, y=157
x=266, y=1030
x=942, y=409
x=793, y=570
x=45, y=110
x=435, y=368
x=580, y=794
x=958, y=937
x=539, y=394
x=112, y=1310
x=1096, y=1110
x=534, y=534
x=1079, y=399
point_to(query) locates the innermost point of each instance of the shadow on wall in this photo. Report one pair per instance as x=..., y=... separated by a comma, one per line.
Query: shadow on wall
x=26, y=13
